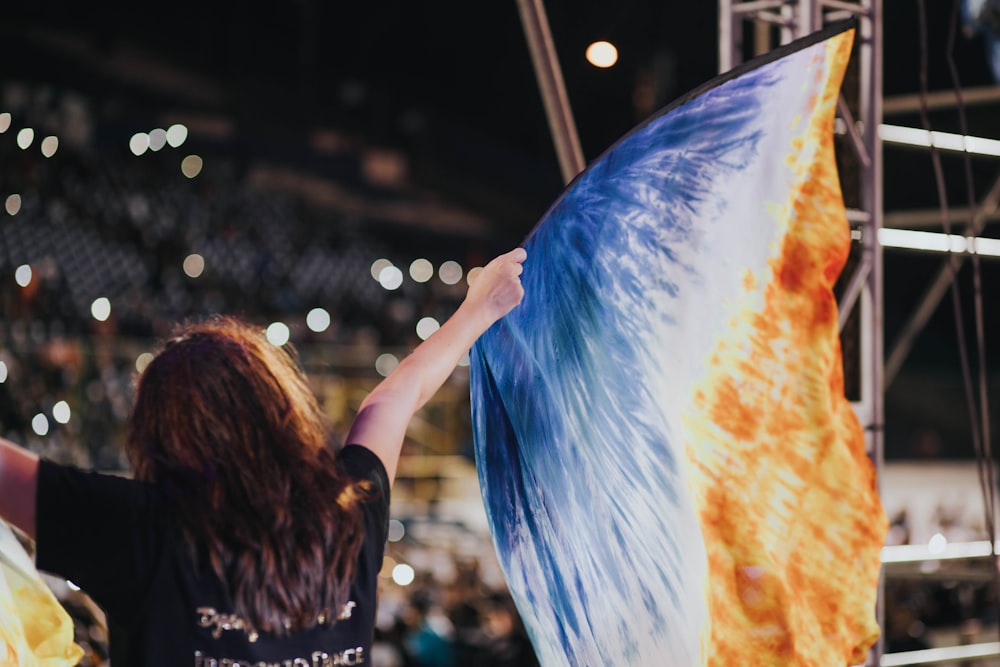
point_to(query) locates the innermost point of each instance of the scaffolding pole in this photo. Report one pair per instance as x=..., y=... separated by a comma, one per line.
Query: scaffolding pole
x=798, y=18
x=553, y=89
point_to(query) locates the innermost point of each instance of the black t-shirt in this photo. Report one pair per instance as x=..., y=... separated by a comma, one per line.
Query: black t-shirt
x=117, y=539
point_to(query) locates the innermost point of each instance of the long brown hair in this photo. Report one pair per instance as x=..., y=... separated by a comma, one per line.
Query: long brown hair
x=227, y=425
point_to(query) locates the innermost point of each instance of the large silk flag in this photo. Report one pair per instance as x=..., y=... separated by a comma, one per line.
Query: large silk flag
x=671, y=472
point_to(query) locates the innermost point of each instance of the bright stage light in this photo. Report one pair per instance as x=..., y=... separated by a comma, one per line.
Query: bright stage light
x=602, y=54
x=912, y=136
x=937, y=242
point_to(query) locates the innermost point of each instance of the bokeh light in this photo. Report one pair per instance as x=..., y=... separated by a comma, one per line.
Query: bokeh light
x=386, y=363
x=157, y=139
x=4, y=121
x=142, y=361
x=40, y=424
x=24, y=138
x=318, y=320
x=101, y=308
x=421, y=270
x=194, y=265
x=450, y=272
x=390, y=277
x=61, y=412
x=378, y=265
x=396, y=530
x=22, y=275
x=278, y=333
x=176, y=135
x=3, y=372
x=426, y=326
x=403, y=574
x=473, y=274
x=602, y=54
x=139, y=143
x=12, y=204
x=191, y=166
x=50, y=145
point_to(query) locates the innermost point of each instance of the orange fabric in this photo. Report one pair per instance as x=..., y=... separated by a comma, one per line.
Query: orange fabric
x=787, y=497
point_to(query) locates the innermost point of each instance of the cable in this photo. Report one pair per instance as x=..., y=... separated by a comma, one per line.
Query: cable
x=985, y=454
x=984, y=464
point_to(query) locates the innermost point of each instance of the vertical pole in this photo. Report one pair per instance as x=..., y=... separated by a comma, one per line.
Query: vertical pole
x=801, y=18
x=806, y=20
x=728, y=43
x=871, y=114
x=550, y=81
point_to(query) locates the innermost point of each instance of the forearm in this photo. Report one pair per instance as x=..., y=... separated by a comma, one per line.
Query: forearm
x=18, y=483
x=382, y=420
x=385, y=413
x=430, y=365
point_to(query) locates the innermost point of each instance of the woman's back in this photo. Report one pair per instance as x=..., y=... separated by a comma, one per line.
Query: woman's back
x=168, y=607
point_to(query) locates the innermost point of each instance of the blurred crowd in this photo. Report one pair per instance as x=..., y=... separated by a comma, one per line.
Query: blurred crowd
x=936, y=603
x=102, y=252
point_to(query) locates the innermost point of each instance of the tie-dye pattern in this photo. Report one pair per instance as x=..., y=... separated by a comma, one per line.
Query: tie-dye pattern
x=671, y=472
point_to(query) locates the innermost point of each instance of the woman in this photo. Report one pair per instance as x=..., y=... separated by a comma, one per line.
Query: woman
x=243, y=539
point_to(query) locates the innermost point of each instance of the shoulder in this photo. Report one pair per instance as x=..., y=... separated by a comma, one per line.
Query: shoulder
x=60, y=483
x=365, y=467
x=362, y=464
x=102, y=531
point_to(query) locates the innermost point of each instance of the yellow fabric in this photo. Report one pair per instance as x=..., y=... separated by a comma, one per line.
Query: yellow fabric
x=35, y=630
x=787, y=497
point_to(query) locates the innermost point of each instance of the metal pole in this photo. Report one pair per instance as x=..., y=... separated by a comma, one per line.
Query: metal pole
x=871, y=115
x=550, y=81
x=729, y=45
x=942, y=281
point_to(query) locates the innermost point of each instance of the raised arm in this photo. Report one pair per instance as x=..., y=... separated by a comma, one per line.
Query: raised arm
x=18, y=481
x=386, y=412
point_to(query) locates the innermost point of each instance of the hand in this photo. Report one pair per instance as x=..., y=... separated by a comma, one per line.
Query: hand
x=385, y=414
x=497, y=288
